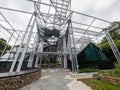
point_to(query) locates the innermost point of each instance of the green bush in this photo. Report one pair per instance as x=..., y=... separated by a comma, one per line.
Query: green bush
x=113, y=73
x=85, y=70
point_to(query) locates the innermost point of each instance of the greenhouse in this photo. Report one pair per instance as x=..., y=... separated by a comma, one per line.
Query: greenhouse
x=90, y=55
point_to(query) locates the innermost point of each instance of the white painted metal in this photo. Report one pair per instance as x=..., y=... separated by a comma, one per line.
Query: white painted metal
x=65, y=50
x=32, y=54
x=59, y=19
x=20, y=48
x=112, y=45
x=25, y=47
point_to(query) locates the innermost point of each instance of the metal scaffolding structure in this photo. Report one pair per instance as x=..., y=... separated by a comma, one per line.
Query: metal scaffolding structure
x=54, y=30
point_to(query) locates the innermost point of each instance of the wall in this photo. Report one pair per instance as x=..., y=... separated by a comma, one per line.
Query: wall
x=113, y=80
x=17, y=81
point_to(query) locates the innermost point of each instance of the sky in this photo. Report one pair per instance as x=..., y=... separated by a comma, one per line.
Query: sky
x=104, y=9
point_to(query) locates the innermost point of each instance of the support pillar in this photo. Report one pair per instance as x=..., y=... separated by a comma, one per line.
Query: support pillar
x=36, y=62
x=72, y=49
x=20, y=48
x=112, y=45
x=25, y=48
x=65, y=50
x=36, y=44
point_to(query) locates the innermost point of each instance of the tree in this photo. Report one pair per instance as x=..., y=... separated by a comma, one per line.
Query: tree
x=115, y=34
x=3, y=44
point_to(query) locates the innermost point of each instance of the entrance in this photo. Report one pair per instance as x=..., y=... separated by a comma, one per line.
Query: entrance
x=50, y=61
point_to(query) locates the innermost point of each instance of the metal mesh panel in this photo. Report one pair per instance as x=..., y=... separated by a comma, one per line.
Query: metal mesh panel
x=91, y=53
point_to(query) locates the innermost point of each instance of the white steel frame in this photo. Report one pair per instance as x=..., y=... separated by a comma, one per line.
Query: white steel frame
x=63, y=19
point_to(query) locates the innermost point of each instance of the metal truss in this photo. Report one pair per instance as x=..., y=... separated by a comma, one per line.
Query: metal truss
x=53, y=24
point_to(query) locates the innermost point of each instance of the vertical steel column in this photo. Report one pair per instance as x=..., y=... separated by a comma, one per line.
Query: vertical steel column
x=30, y=62
x=64, y=48
x=69, y=49
x=41, y=46
x=36, y=62
x=112, y=45
x=20, y=48
x=37, y=50
x=26, y=46
x=72, y=51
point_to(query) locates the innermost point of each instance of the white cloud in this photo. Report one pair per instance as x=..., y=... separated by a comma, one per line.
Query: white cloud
x=105, y=9
x=103, y=4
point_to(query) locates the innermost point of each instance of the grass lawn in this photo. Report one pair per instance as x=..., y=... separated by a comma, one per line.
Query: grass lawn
x=96, y=84
x=113, y=73
x=85, y=70
x=99, y=85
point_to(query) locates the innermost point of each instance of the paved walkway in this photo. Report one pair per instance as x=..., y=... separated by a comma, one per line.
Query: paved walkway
x=56, y=79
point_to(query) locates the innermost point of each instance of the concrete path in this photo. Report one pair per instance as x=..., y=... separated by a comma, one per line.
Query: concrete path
x=56, y=79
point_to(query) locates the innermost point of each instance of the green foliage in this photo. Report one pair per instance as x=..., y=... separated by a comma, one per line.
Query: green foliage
x=99, y=85
x=3, y=44
x=115, y=34
x=96, y=84
x=113, y=73
x=88, y=70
